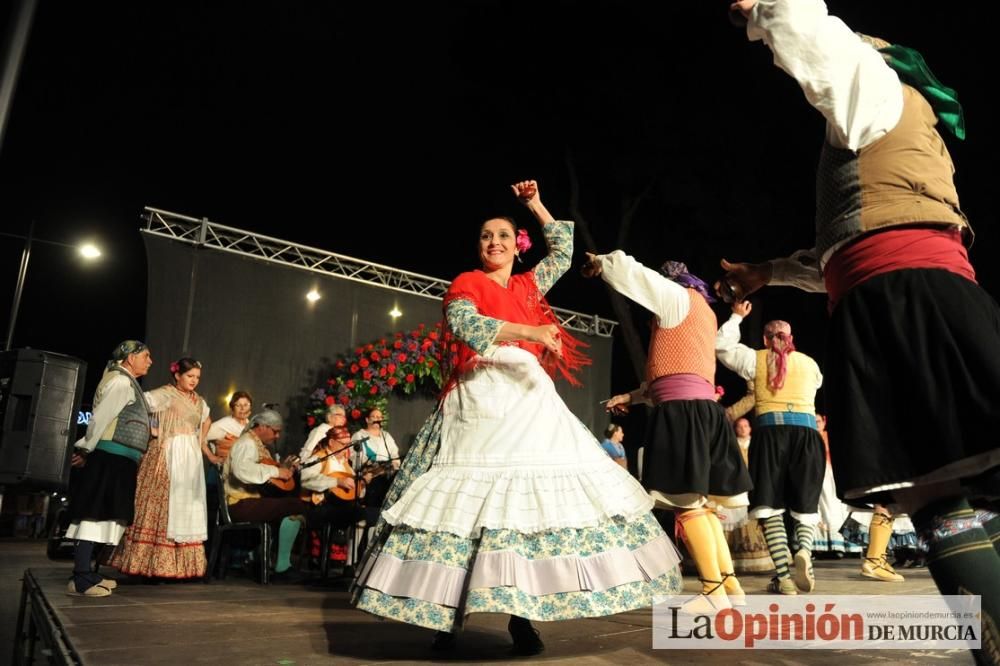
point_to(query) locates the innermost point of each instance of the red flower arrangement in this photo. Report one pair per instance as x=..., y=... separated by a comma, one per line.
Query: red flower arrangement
x=408, y=362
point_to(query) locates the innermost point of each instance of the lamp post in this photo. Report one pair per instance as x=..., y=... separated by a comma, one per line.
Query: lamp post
x=89, y=252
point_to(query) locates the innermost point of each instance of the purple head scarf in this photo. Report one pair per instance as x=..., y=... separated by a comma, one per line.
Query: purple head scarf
x=678, y=272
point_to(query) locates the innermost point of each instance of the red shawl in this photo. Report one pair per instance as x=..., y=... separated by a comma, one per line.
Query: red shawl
x=520, y=303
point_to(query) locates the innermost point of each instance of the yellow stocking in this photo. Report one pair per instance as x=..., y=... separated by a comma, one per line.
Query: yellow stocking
x=879, y=533
x=724, y=557
x=699, y=535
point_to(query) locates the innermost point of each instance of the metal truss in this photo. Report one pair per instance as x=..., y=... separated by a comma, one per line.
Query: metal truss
x=203, y=233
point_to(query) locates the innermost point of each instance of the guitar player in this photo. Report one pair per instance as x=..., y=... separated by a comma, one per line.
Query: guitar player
x=250, y=468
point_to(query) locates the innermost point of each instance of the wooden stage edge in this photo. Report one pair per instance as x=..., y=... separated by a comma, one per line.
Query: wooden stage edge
x=240, y=622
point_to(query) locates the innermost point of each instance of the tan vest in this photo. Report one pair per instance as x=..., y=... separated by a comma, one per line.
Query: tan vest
x=905, y=177
x=688, y=348
x=799, y=392
x=236, y=490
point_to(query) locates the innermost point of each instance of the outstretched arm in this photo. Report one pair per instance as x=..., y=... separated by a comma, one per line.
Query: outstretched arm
x=842, y=77
x=801, y=270
x=663, y=297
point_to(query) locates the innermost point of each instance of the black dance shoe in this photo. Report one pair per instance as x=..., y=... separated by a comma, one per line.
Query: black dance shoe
x=527, y=642
x=444, y=641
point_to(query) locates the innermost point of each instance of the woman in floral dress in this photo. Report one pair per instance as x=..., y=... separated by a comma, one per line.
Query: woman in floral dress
x=166, y=539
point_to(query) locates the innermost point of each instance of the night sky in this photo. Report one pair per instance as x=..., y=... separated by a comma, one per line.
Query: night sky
x=324, y=123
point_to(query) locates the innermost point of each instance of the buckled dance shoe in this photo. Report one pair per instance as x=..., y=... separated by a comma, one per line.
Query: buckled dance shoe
x=878, y=568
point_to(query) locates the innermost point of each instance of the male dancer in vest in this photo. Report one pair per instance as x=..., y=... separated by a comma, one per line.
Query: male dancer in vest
x=787, y=460
x=102, y=502
x=692, y=462
x=889, y=232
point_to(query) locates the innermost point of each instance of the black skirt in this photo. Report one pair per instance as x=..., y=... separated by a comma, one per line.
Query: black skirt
x=691, y=448
x=103, y=489
x=787, y=464
x=912, y=380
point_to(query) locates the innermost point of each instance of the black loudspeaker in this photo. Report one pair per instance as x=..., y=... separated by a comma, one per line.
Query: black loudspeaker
x=40, y=395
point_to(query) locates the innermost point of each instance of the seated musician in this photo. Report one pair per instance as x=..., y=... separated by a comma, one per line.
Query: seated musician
x=225, y=431
x=378, y=460
x=335, y=415
x=327, y=480
x=323, y=440
x=249, y=468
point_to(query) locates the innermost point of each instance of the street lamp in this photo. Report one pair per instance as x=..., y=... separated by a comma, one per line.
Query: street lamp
x=89, y=251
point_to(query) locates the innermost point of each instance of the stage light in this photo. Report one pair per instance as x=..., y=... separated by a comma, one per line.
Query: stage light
x=89, y=251
x=395, y=312
x=313, y=296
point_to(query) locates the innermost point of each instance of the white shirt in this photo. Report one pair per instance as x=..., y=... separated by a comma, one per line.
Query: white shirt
x=109, y=400
x=312, y=478
x=842, y=77
x=382, y=445
x=315, y=436
x=652, y=290
x=243, y=462
x=227, y=425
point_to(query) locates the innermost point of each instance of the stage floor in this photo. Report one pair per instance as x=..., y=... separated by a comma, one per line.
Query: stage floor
x=239, y=622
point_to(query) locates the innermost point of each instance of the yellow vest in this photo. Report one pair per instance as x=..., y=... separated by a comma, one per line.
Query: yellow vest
x=802, y=380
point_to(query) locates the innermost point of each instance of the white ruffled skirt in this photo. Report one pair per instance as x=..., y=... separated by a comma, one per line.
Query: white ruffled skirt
x=520, y=512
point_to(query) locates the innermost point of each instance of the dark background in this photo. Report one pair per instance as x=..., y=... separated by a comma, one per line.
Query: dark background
x=389, y=131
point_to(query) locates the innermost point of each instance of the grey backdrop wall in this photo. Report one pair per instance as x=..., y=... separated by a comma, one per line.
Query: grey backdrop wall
x=250, y=325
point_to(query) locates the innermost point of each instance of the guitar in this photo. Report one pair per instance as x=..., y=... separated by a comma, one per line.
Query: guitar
x=292, y=463
x=347, y=494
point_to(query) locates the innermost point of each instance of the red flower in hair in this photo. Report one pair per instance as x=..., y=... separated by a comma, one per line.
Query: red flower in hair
x=175, y=367
x=523, y=241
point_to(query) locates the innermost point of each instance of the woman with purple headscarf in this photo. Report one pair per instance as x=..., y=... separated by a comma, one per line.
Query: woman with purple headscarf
x=692, y=462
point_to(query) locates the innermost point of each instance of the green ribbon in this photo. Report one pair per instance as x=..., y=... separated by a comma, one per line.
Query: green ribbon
x=914, y=72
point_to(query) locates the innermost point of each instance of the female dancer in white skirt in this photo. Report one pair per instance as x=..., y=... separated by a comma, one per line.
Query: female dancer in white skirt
x=506, y=502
